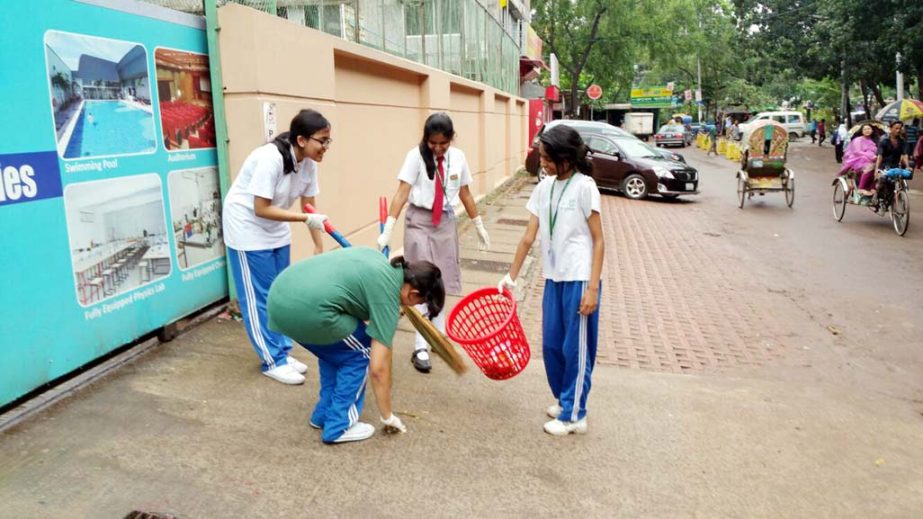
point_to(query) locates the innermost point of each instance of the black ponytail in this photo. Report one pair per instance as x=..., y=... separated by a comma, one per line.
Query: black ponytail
x=425, y=278
x=305, y=124
x=437, y=123
x=563, y=144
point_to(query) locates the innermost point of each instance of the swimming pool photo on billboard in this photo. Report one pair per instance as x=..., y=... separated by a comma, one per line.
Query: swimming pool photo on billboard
x=183, y=83
x=100, y=94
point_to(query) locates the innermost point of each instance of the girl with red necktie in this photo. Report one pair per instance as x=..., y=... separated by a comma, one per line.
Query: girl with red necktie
x=434, y=177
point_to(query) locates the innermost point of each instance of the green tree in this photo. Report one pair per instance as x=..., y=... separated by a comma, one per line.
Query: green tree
x=571, y=29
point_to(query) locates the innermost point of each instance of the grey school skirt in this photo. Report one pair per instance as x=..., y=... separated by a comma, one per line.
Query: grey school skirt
x=438, y=245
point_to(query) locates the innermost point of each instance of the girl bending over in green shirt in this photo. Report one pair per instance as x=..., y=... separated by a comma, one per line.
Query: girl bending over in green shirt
x=344, y=307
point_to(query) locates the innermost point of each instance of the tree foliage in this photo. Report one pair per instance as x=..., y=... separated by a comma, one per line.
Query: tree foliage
x=751, y=52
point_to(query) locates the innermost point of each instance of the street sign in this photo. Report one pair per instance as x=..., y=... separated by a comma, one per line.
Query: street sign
x=594, y=92
x=687, y=94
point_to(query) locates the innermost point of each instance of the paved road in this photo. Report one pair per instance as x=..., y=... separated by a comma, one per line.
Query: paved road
x=762, y=362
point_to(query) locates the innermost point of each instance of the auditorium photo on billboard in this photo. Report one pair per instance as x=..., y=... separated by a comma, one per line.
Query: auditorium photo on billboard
x=100, y=96
x=184, y=91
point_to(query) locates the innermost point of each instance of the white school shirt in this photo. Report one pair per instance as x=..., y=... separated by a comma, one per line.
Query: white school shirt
x=568, y=254
x=261, y=175
x=423, y=190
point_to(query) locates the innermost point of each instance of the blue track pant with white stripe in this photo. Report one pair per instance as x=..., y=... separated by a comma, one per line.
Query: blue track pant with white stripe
x=568, y=345
x=254, y=272
x=344, y=368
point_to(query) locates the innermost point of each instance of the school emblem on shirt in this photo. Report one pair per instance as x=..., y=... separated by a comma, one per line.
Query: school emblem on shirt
x=453, y=177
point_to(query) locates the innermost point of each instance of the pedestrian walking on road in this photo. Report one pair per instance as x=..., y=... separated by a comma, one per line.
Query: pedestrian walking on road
x=918, y=156
x=325, y=302
x=912, y=134
x=838, y=139
x=812, y=130
x=565, y=209
x=821, y=132
x=257, y=233
x=434, y=176
x=712, y=140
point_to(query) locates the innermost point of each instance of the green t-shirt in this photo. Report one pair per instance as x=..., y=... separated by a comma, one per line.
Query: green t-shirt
x=321, y=300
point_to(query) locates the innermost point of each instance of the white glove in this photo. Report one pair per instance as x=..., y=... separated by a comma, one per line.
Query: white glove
x=316, y=221
x=394, y=424
x=506, y=282
x=384, y=239
x=483, y=237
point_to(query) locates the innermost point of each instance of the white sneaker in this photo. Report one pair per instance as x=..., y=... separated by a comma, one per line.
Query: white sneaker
x=554, y=411
x=358, y=432
x=285, y=374
x=299, y=366
x=558, y=428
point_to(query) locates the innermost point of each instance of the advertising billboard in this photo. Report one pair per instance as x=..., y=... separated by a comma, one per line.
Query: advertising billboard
x=109, y=202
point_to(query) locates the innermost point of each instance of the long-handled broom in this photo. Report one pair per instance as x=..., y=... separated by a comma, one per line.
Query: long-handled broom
x=438, y=342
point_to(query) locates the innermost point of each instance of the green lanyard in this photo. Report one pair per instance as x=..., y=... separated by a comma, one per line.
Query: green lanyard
x=553, y=216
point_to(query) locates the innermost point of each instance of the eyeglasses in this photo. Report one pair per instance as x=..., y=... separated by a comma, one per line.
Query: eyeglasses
x=325, y=142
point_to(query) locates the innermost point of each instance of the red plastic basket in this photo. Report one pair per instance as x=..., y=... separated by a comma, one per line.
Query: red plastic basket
x=487, y=327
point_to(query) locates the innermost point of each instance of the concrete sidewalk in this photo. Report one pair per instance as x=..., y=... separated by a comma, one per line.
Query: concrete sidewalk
x=193, y=430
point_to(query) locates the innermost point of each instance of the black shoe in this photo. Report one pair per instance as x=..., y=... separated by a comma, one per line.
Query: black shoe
x=422, y=365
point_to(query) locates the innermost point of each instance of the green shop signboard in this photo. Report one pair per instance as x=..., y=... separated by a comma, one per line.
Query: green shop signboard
x=651, y=98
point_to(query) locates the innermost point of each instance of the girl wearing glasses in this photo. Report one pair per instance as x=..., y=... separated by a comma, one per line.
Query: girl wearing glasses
x=565, y=207
x=257, y=234
x=434, y=176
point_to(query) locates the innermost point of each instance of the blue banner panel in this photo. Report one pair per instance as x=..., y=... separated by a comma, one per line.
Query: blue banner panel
x=27, y=177
x=109, y=204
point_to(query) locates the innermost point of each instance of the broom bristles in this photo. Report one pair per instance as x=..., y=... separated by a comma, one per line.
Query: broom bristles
x=440, y=344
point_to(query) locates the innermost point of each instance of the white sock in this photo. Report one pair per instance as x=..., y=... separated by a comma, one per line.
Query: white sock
x=439, y=322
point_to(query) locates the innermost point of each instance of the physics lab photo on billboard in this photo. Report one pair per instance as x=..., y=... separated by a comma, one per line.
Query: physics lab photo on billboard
x=195, y=204
x=118, y=235
x=184, y=91
x=100, y=96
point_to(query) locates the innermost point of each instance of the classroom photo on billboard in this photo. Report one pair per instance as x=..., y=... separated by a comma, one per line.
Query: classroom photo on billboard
x=118, y=235
x=195, y=204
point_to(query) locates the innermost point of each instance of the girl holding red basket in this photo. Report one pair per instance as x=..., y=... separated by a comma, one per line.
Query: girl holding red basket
x=565, y=209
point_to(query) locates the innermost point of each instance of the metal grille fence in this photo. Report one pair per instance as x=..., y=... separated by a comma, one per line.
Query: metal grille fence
x=462, y=37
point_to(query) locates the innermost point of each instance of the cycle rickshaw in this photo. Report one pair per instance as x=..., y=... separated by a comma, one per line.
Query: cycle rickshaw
x=892, y=197
x=762, y=160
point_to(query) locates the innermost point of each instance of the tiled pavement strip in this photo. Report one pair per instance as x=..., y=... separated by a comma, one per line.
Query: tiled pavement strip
x=674, y=299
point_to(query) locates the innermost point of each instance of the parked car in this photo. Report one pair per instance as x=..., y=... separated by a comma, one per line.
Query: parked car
x=635, y=169
x=671, y=135
x=792, y=120
x=585, y=128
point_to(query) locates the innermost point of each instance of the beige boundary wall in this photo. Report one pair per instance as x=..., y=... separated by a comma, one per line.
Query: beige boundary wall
x=376, y=104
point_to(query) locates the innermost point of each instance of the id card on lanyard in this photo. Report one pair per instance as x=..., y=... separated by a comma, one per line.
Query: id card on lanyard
x=553, y=210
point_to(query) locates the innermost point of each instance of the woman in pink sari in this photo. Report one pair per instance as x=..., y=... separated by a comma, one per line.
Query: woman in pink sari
x=860, y=157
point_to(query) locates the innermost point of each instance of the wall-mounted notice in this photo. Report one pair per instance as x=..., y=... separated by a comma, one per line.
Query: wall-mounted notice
x=109, y=203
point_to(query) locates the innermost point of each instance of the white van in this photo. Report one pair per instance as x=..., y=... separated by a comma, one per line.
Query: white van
x=793, y=122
